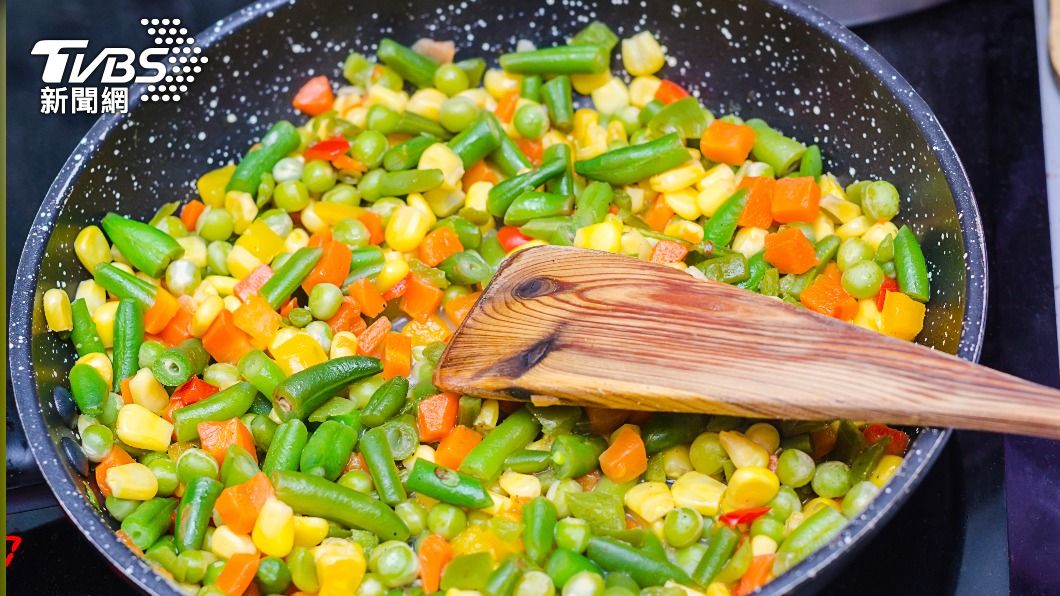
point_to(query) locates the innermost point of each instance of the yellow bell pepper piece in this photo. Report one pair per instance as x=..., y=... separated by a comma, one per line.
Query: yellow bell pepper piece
x=428, y=331
x=211, y=185
x=885, y=470
x=298, y=353
x=902, y=317
x=260, y=241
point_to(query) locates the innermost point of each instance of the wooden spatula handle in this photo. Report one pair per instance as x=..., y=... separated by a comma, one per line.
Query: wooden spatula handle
x=562, y=325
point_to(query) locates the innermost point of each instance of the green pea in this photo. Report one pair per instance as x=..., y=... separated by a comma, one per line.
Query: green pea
x=534, y=583
x=369, y=147
x=318, y=176
x=457, y=113
x=287, y=169
x=863, y=280
x=194, y=463
x=858, y=498
x=851, y=252
x=300, y=317
x=217, y=257
x=573, y=533
x=358, y=480
x=371, y=586
x=389, y=78
x=369, y=185
x=889, y=269
x=165, y=471
x=531, y=121
x=832, y=479
x=321, y=332
x=784, y=504
x=120, y=509
x=221, y=375
x=303, y=569
x=351, y=232
x=707, y=454
x=215, y=224
x=879, y=200
x=394, y=563
x=795, y=468
x=385, y=207
x=767, y=526
x=291, y=196
x=278, y=221
x=96, y=442
x=584, y=583
x=172, y=225
x=273, y=575
x=682, y=527
x=343, y=193
x=182, y=277
x=357, y=69
x=450, y=79
x=446, y=520
x=413, y=514
x=111, y=404
x=324, y=300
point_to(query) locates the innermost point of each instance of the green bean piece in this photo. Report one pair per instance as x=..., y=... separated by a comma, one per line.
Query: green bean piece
x=810, y=164
x=163, y=553
x=684, y=117
x=194, y=512
x=286, y=279
x=592, y=204
x=315, y=496
x=613, y=555
x=327, y=450
x=866, y=461
x=910, y=265
x=722, y=225
x=413, y=67
x=530, y=88
x=775, y=149
x=722, y=545
x=812, y=534
x=120, y=509
x=556, y=94
x=469, y=234
x=380, y=461
x=849, y=442
x=535, y=204
x=508, y=158
x=303, y=569
x=756, y=271
x=260, y=371
x=474, y=68
x=406, y=156
x=402, y=435
x=148, y=249
x=301, y=393
x=665, y=430
x=563, y=184
x=149, y=521
x=515, y=433
x=503, y=194
x=280, y=140
x=285, y=451
x=386, y=402
x=393, y=184
x=181, y=362
x=478, y=140
x=124, y=285
x=825, y=251
x=223, y=405
x=596, y=34
x=447, y=485
x=528, y=461
x=565, y=564
x=84, y=335
x=503, y=579
x=467, y=572
x=574, y=456
x=88, y=388
x=539, y=525
x=238, y=467
x=858, y=498
x=465, y=268
x=572, y=59
x=634, y=163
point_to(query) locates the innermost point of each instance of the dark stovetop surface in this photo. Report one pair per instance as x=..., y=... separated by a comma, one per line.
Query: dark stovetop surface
x=974, y=63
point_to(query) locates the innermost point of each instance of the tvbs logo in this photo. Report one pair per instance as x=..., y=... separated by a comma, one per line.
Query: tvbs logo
x=115, y=65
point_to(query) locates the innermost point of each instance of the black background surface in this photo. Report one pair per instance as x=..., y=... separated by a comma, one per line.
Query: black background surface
x=973, y=61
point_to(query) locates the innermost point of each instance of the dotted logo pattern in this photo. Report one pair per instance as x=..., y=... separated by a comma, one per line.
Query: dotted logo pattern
x=184, y=59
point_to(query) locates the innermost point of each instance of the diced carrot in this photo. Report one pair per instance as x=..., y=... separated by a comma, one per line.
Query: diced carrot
x=333, y=266
x=356, y=462
x=368, y=297
x=478, y=172
x=397, y=355
x=374, y=223
x=827, y=296
x=217, y=436
x=320, y=238
x=346, y=163
x=126, y=390
x=727, y=143
x=179, y=327
x=756, y=576
x=604, y=421
x=796, y=199
x=435, y=554
x=189, y=215
x=291, y=304
x=238, y=574
x=239, y=505
x=667, y=251
x=257, y=319
x=315, y=97
x=369, y=342
x=458, y=308
x=506, y=106
x=669, y=92
x=588, y=481
x=439, y=245
x=626, y=458
x=758, y=212
x=455, y=446
x=347, y=318
x=224, y=341
x=397, y=290
x=163, y=310
x=789, y=251
x=437, y=416
x=421, y=299
x=658, y=214
x=250, y=284
x=532, y=149
x=116, y=457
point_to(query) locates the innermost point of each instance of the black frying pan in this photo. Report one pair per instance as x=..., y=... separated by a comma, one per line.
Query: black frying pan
x=779, y=60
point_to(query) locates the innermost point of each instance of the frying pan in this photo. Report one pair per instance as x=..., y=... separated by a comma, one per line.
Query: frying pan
x=776, y=59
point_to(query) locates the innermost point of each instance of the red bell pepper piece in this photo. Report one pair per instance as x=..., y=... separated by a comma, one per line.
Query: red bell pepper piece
x=328, y=149
x=876, y=432
x=249, y=285
x=742, y=516
x=669, y=92
x=889, y=285
x=194, y=390
x=511, y=238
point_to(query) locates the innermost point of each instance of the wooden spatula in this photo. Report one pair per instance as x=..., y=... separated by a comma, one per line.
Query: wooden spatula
x=569, y=326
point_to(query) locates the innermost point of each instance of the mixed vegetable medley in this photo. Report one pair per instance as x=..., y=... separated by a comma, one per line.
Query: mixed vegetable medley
x=255, y=365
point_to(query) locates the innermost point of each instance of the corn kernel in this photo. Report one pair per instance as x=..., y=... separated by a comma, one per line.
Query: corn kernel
x=650, y=500
x=606, y=236
x=395, y=268
x=57, y=310
x=298, y=353
x=611, y=97
x=298, y=238
x=141, y=428
x=751, y=486
x=406, y=229
x=147, y=391
x=616, y=134
x=794, y=521
x=763, y=545
x=260, y=241
x=885, y=470
x=477, y=194
x=638, y=198
x=309, y=531
x=689, y=231
x=311, y=220
x=592, y=143
x=332, y=212
x=823, y=226
x=634, y=244
x=902, y=317
x=241, y=262
x=232, y=303
x=749, y=241
x=817, y=504
x=93, y=293
x=877, y=232
x=683, y=202
x=698, y=491
x=340, y=566
x=487, y=416
x=344, y=343
x=194, y=249
x=104, y=317
x=642, y=55
x=223, y=284
x=204, y=315
x=499, y=83
x=211, y=185
x=101, y=363
x=425, y=452
x=642, y=90
x=841, y=209
x=242, y=208
x=126, y=267
x=868, y=315
x=480, y=97
x=830, y=186
x=526, y=486
x=586, y=83
x=527, y=245
x=853, y=228
x=226, y=542
x=148, y=279
x=678, y=178
x=764, y=434
x=379, y=95
x=717, y=589
x=427, y=103
x=440, y=157
x=118, y=258
x=357, y=115
x=274, y=529
x=715, y=187
x=282, y=336
x=91, y=247
x=133, y=481
x=743, y=451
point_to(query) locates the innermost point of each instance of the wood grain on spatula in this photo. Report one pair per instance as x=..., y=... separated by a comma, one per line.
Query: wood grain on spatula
x=563, y=325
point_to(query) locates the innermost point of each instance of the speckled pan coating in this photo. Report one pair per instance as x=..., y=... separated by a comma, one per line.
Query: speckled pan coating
x=781, y=61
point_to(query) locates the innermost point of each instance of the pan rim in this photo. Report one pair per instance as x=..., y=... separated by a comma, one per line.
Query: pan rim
x=926, y=448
